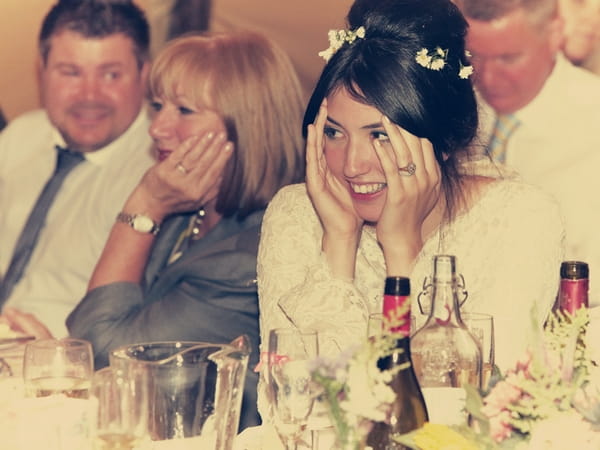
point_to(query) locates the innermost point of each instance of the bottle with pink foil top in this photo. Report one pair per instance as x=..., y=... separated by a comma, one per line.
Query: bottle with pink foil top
x=408, y=411
x=574, y=286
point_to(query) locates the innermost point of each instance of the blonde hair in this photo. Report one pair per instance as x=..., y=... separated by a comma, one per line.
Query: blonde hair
x=254, y=87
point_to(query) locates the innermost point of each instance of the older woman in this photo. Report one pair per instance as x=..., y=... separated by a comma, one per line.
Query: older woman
x=180, y=261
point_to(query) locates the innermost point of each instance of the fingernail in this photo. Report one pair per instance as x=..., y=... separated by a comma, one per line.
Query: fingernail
x=228, y=147
x=210, y=135
x=386, y=119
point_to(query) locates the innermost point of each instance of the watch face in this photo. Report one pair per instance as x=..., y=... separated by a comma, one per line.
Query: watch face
x=143, y=224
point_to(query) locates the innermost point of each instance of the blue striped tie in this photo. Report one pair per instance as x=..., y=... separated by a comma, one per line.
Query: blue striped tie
x=66, y=160
x=505, y=126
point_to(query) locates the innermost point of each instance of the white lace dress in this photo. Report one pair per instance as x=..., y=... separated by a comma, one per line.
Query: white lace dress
x=508, y=246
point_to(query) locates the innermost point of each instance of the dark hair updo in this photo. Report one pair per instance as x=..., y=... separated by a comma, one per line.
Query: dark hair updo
x=381, y=70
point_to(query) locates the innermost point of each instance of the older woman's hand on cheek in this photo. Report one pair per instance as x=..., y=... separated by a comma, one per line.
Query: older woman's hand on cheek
x=413, y=188
x=188, y=179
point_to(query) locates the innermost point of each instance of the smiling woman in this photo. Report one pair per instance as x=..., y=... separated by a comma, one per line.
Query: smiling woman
x=390, y=184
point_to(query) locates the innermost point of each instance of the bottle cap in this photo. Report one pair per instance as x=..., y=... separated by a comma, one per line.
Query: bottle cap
x=397, y=286
x=574, y=270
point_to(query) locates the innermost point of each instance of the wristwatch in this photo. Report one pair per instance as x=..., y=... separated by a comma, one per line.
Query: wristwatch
x=139, y=222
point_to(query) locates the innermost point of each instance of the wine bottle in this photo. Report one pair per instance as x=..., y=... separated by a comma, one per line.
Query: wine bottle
x=445, y=353
x=408, y=409
x=574, y=286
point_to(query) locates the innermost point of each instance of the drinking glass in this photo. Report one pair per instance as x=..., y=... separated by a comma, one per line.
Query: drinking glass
x=374, y=324
x=58, y=366
x=481, y=326
x=121, y=397
x=289, y=381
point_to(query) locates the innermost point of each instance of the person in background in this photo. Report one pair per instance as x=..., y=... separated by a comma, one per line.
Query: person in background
x=389, y=186
x=3, y=120
x=93, y=63
x=539, y=112
x=582, y=32
x=227, y=109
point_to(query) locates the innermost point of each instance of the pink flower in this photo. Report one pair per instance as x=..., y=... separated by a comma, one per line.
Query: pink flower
x=524, y=363
x=501, y=395
x=500, y=428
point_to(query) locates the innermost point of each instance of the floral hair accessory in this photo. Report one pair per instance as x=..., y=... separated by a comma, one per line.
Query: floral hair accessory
x=436, y=60
x=337, y=38
x=465, y=71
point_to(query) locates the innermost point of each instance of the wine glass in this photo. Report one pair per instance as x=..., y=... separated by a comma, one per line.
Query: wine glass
x=289, y=381
x=58, y=366
x=122, y=402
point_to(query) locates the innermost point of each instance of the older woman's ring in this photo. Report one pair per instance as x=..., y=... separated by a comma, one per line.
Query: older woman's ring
x=180, y=167
x=407, y=170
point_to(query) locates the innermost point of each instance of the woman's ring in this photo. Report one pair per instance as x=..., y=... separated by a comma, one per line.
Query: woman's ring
x=180, y=167
x=407, y=170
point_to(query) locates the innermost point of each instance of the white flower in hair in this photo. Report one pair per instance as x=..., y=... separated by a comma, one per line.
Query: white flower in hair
x=435, y=60
x=423, y=58
x=465, y=71
x=337, y=38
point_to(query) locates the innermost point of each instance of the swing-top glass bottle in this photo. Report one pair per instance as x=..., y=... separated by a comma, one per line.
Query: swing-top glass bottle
x=445, y=354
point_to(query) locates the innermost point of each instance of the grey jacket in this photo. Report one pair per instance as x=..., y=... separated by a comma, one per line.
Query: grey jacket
x=209, y=294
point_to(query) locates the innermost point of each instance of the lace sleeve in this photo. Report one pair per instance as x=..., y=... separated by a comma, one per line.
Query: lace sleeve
x=296, y=288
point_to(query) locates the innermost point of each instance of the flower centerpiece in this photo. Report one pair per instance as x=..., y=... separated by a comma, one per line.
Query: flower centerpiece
x=549, y=400
x=355, y=391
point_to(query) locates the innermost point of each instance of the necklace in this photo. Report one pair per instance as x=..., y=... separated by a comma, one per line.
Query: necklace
x=196, y=224
x=191, y=234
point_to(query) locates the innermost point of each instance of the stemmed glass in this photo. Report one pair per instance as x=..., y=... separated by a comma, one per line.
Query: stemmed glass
x=289, y=381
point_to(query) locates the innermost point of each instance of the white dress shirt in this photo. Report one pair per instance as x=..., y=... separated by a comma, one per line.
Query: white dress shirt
x=80, y=218
x=557, y=147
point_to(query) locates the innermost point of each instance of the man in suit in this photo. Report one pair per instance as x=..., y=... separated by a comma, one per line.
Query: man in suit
x=539, y=113
x=93, y=63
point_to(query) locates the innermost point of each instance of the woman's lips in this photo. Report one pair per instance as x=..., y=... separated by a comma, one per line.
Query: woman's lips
x=163, y=154
x=366, y=191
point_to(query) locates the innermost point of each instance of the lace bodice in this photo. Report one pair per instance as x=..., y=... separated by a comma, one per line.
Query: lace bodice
x=508, y=247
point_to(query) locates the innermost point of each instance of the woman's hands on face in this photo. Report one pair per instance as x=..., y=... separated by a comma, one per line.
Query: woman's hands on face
x=332, y=201
x=187, y=179
x=329, y=196
x=410, y=198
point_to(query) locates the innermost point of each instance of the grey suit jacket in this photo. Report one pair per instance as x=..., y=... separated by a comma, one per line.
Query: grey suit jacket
x=209, y=294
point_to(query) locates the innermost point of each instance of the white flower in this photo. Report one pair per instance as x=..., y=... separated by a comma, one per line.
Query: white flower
x=337, y=38
x=437, y=64
x=423, y=58
x=435, y=61
x=327, y=54
x=465, y=72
